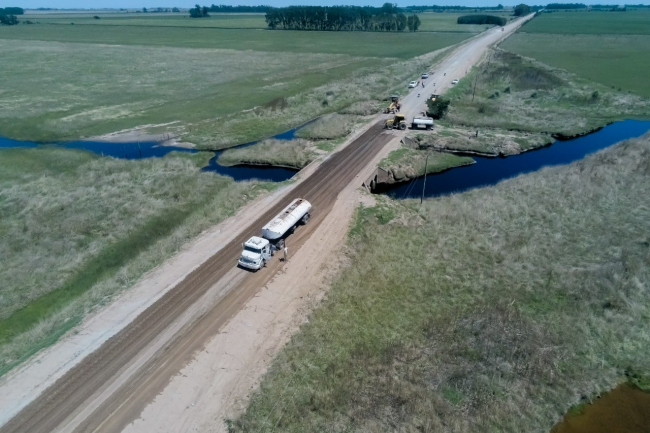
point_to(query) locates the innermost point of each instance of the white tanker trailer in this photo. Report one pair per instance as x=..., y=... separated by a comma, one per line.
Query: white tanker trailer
x=258, y=250
x=418, y=122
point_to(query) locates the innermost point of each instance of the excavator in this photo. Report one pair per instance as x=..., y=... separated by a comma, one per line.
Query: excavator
x=395, y=105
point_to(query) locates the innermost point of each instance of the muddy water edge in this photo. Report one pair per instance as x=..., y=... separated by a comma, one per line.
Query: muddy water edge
x=625, y=409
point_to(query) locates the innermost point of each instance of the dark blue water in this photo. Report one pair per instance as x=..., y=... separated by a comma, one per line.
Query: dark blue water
x=259, y=172
x=137, y=150
x=489, y=171
x=151, y=149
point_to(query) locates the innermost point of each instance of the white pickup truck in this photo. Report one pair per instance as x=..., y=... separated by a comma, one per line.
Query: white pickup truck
x=258, y=250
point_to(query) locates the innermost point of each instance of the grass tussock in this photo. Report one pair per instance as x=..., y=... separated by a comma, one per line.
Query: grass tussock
x=296, y=153
x=77, y=229
x=405, y=163
x=328, y=127
x=488, y=141
x=492, y=310
x=522, y=94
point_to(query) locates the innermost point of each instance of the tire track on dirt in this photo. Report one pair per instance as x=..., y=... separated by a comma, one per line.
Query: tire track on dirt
x=87, y=379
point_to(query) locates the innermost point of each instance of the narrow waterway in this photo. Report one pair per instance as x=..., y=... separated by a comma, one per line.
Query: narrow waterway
x=153, y=149
x=489, y=171
x=625, y=409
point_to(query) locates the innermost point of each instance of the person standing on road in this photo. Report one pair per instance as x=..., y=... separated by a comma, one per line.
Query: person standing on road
x=423, y=84
x=286, y=254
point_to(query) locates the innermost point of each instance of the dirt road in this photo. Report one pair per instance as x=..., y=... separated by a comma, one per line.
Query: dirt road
x=110, y=388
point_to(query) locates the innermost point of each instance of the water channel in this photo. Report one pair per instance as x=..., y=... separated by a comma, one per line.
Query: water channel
x=489, y=171
x=486, y=171
x=149, y=149
x=625, y=409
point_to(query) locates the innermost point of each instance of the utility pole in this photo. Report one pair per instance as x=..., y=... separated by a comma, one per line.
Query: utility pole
x=426, y=166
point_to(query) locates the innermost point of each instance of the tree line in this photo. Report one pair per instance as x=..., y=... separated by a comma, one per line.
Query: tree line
x=8, y=16
x=566, y=6
x=482, y=19
x=387, y=18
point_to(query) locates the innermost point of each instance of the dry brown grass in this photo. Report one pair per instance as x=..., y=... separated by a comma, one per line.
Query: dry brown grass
x=492, y=310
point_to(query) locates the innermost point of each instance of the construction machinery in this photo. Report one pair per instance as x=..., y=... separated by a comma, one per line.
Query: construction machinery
x=394, y=106
x=397, y=122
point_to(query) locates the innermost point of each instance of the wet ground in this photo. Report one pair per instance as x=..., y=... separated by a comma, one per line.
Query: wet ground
x=625, y=409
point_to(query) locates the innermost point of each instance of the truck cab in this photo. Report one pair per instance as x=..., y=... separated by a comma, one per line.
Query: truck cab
x=256, y=253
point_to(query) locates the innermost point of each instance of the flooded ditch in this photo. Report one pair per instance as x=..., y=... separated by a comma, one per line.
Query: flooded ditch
x=625, y=409
x=153, y=149
x=489, y=171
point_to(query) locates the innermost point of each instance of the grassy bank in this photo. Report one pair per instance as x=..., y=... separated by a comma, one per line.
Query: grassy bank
x=491, y=310
x=284, y=153
x=608, y=48
x=329, y=127
x=511, y=92
x=488, y=141
x=78, y=229
x=405, y=163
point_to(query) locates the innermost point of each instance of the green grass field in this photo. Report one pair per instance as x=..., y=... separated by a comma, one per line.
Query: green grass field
x=225, y=21
x=76, y=229
x=494, y=310
x=609, y=48
x=77, y=90
x=92, y=79
x=525, y=95
x=446, y=22
x=591, y=23
x=366, y=44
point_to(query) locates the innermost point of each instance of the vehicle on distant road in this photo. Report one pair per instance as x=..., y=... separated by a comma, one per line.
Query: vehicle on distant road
x=425, y=76
x=454, y=81
x=413, y=84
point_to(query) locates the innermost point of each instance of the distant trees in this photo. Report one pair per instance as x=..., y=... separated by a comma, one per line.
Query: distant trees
x=8, y=20
x=11, y=11
x=521, y=10
x=482, y=19
x=238, y=9
x=566, y=6
x=8, y=16
x=388, y=18
x=413, y=23
x=199, y=12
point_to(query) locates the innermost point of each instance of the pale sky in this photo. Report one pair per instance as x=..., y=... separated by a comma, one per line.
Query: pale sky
x=137, y=4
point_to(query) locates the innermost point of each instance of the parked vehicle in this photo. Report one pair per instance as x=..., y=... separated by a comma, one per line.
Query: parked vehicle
x=413, y=84
x=258, y=250
x=425, y=76
x=397, y=122
x=419, y=122
x=454, y=81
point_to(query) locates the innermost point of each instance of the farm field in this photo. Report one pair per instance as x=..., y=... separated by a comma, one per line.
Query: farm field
x=518, y=93
x=609, y=48
x=227, y=21
x=77, y=229
x=93, y=80
x=493, y=310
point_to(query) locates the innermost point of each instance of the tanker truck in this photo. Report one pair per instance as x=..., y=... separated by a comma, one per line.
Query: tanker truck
x=258, y=250
x=426, y=122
